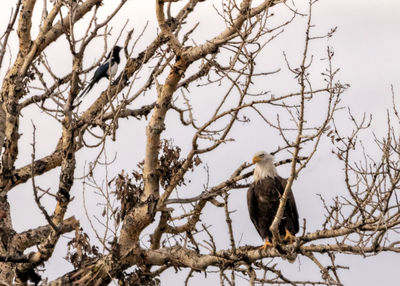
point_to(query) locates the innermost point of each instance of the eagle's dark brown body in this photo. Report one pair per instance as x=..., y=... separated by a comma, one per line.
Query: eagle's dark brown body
x=263, y=201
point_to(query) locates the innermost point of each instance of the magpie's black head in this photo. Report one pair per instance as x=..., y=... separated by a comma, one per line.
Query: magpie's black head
x=115, y=54
x=116, y=50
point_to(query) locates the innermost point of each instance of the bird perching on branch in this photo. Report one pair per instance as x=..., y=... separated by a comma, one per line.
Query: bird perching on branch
x=108, y=69
x=263, y=199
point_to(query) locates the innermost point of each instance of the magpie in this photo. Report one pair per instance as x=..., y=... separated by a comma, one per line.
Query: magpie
x=105, y=70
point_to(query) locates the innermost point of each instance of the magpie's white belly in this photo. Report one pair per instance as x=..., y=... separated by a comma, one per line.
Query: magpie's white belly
x=113, y=69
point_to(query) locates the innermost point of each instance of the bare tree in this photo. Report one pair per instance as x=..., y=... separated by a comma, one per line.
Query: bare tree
x=152, y=214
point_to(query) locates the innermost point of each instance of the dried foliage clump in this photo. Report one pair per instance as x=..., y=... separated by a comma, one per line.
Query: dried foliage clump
x=80, y=251
x=127, y=192
x=143, y=213
x=170, y=162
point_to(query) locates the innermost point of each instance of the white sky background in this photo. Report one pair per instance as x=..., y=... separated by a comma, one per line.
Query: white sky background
x=366, y=47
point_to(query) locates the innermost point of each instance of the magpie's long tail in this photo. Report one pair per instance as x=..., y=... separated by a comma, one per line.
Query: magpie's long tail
x=86, y=89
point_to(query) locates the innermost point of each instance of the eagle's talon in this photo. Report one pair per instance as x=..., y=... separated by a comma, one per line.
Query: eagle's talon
x=290, y=238
x=267, y=244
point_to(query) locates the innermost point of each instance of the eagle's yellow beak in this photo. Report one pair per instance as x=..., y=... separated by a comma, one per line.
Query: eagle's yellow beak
x=256, y=159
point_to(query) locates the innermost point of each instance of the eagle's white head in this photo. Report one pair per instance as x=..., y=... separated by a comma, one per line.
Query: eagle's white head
x=264, y=166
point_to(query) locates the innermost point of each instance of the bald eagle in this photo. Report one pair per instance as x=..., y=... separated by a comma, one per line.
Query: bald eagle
x=263, y=200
